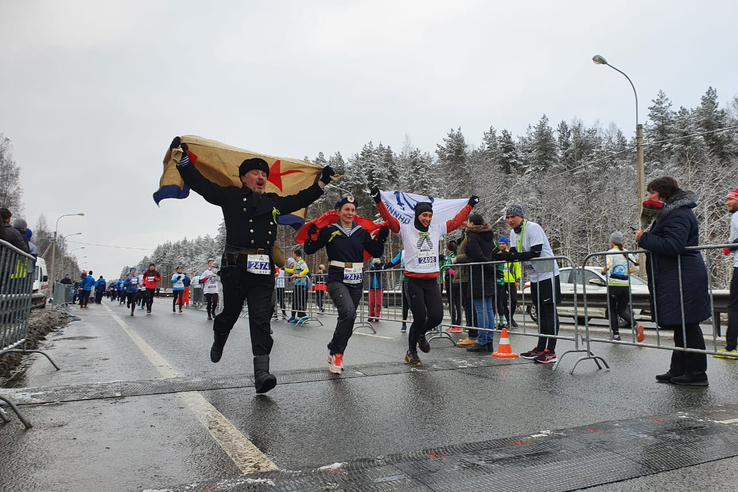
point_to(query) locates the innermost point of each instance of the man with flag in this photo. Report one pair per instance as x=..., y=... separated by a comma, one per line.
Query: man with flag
x=247, y=268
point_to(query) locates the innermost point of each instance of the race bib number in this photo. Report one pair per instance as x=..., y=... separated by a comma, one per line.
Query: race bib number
x=353, y=275
x=134, y=281
x=427, y=258
x=258, y=264
x=529, y=268
x=152, y=279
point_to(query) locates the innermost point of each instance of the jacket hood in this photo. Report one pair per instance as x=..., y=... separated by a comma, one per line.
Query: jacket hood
x=680, y=199
x=484, y=230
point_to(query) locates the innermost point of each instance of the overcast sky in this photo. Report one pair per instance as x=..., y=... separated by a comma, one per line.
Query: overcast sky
x=92, y=92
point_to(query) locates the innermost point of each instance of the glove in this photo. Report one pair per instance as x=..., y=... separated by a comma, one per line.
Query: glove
x=312, y=230
x=388, y=266
x=383, y=233
x=376, y=195
x=473, y=200
x=325, y=175
x=726, y=251
x=175, y=143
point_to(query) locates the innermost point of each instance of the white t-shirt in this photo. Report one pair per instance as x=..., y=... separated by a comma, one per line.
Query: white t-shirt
x=141, y=285
x=196, y=282
x=531, y=235
x=421, y=248
x=279, y=281
x=211, y=284
x=734, y=236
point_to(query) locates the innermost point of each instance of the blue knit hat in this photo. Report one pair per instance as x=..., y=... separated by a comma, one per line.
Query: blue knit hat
x=505, y=240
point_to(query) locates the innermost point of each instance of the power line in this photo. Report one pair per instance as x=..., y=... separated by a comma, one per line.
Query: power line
x=109, y=246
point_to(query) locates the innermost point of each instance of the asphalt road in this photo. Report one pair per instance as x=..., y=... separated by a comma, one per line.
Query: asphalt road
x=139, y=406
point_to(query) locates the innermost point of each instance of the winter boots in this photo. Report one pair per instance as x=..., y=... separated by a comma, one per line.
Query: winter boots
x=263, y=381
x=216, y=351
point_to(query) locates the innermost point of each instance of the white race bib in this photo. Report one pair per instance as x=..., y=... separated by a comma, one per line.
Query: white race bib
x=353, y=275
x=427, y=258
x=258, y=264
x=152, y=279
x=134, y=281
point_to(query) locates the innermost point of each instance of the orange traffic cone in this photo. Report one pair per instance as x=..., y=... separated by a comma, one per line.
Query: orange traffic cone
x=505, y=351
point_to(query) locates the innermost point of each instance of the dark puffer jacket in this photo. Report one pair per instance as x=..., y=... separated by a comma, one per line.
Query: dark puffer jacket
x=676, y=228
x=480, y=246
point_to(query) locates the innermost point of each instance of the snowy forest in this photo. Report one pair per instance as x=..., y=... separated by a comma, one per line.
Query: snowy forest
x=577, y=181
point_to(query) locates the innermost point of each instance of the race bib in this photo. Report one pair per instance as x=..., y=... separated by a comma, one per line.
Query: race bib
x=529, y=267
x=152, y=279
x=427, y=258
x=258, y=264
x=134, y=281
x=353, y=275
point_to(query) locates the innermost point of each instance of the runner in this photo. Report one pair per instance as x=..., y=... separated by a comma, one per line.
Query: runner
x=421, y=242
x=345, y=243
x=197, y=294
x=150, y=278
x=131, y=287
x=178, y=290
x=210, y=282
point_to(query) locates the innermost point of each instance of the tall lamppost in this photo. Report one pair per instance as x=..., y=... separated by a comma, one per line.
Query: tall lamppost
x=600, y=60
x=53, y=251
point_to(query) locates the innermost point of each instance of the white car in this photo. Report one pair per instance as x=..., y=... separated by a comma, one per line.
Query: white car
x=596, y=284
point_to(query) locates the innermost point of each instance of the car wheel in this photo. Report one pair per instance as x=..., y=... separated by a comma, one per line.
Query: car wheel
x=533, y=313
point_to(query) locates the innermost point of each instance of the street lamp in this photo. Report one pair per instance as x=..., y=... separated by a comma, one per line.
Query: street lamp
x=600, y=60
x=53, y=251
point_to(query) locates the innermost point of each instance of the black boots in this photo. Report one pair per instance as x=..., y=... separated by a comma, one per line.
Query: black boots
x=485, y=347
x=263, y=381
x=216, y=351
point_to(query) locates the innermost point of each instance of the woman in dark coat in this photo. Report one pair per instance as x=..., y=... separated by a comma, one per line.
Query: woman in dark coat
x=675, y=229
x=481, y=247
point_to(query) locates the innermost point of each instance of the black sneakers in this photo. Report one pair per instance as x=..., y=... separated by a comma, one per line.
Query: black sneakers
x=423, y=344
x=216, y=351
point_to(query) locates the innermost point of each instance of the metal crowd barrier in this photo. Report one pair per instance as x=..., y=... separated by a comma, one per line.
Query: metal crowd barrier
x=16, y=292
x=63, y=295
x=719, y=300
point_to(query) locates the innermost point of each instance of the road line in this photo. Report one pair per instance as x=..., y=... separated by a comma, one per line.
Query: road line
x=372, y=335
x=247, y=457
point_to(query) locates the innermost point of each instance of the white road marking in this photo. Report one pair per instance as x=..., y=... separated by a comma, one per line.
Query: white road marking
x=247, y=457
x=729, y=421
x=372, y=335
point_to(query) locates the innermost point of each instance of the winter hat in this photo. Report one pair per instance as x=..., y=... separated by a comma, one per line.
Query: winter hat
x=617, y=238
x=505, y=240
x=343, y=201
x=254, y=163
x=290, y=261
x=133, y=269
x=376, y=261
x=515, y=209
x=422, y=207
x=29, y=233
x=733, y=195
x=20, y=224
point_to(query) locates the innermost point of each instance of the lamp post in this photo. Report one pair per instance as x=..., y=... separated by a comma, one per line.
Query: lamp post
x=600, y=60
x=53, y=251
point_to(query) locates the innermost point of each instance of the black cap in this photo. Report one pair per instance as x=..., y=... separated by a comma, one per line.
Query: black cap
x=343, y=201
x=255, y=163
x=423, y=207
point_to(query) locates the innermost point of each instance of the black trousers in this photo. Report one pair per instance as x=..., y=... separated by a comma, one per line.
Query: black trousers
x=212, y=303
x=731, y=337
x=240, y=286
x=280, y=299
x=469, y=312
x=685, y=362
x=149, y=298
x=405, y=303
x=502, y=306
x=84, y=296
x=545, y=295
x=299, y=301
x=132, y=296
x=618, y=304
x=346, y=299
x=512, y=292
x=178, y=298
x=99, y=296
x=426, y=303
x=453, y=291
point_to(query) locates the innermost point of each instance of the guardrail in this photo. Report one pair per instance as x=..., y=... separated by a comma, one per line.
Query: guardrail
x=16, y=293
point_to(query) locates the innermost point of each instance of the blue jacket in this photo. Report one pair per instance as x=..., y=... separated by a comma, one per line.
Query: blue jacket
x=131, y=284
x=375, y=277
x=86, y=283
x=178, y=282
x=119, y=285
x=100, y=284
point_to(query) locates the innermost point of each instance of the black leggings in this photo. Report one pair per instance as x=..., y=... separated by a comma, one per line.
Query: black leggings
x=405, y=303
x=132, y=296
x=426, y=303
x=178, y=295
x=618, y=299
x=212, y=303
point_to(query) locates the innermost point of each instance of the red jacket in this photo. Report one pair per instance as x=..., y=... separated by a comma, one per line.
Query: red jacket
x=147, y=278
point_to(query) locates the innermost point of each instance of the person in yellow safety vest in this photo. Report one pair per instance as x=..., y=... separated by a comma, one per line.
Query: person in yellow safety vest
x=507, y=294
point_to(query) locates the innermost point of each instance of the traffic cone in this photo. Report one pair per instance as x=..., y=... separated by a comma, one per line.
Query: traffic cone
x=505, y=351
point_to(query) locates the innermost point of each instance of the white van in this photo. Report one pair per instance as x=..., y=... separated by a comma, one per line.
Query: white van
x=40, y=282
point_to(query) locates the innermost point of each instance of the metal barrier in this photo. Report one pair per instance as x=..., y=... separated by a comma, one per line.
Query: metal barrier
x=642, y=302
x=16, y=292
x=63, y=295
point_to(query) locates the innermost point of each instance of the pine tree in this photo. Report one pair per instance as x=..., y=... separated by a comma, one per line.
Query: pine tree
x=452, y=157
x=565, y=151
x=660, y=131
x=11, y=193
x=708, y=118
x=509, y=159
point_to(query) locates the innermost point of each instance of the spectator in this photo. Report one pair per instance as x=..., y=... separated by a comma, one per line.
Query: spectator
x=20, y=226
x=12, y=235
x=508, y=297
x=279, y=289
x=677, y=278
x=453, y=289
x=320, y=286
x=66, y=280
x=481, y=248
x=462, y=279
x=731, y=337
x=299, y=274
x=86, y=282
x=376, y=291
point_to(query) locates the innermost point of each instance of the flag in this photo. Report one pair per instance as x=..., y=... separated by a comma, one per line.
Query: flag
x=331, y=217
x=402, y=206
x=219, y=163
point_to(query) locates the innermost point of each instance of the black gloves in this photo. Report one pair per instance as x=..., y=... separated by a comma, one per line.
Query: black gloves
x=175, y=143
x=383, y=233
x=473, y=200
x=312, y=230
x=325, y=175
x=375, y=194
x=388, y=266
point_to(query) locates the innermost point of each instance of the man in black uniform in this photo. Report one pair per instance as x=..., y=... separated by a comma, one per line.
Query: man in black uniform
x=247, y=270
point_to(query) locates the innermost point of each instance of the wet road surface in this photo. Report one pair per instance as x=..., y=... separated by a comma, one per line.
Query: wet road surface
x=138, y=405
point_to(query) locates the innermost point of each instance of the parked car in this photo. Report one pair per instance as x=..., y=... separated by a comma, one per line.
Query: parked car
x=596, y=284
